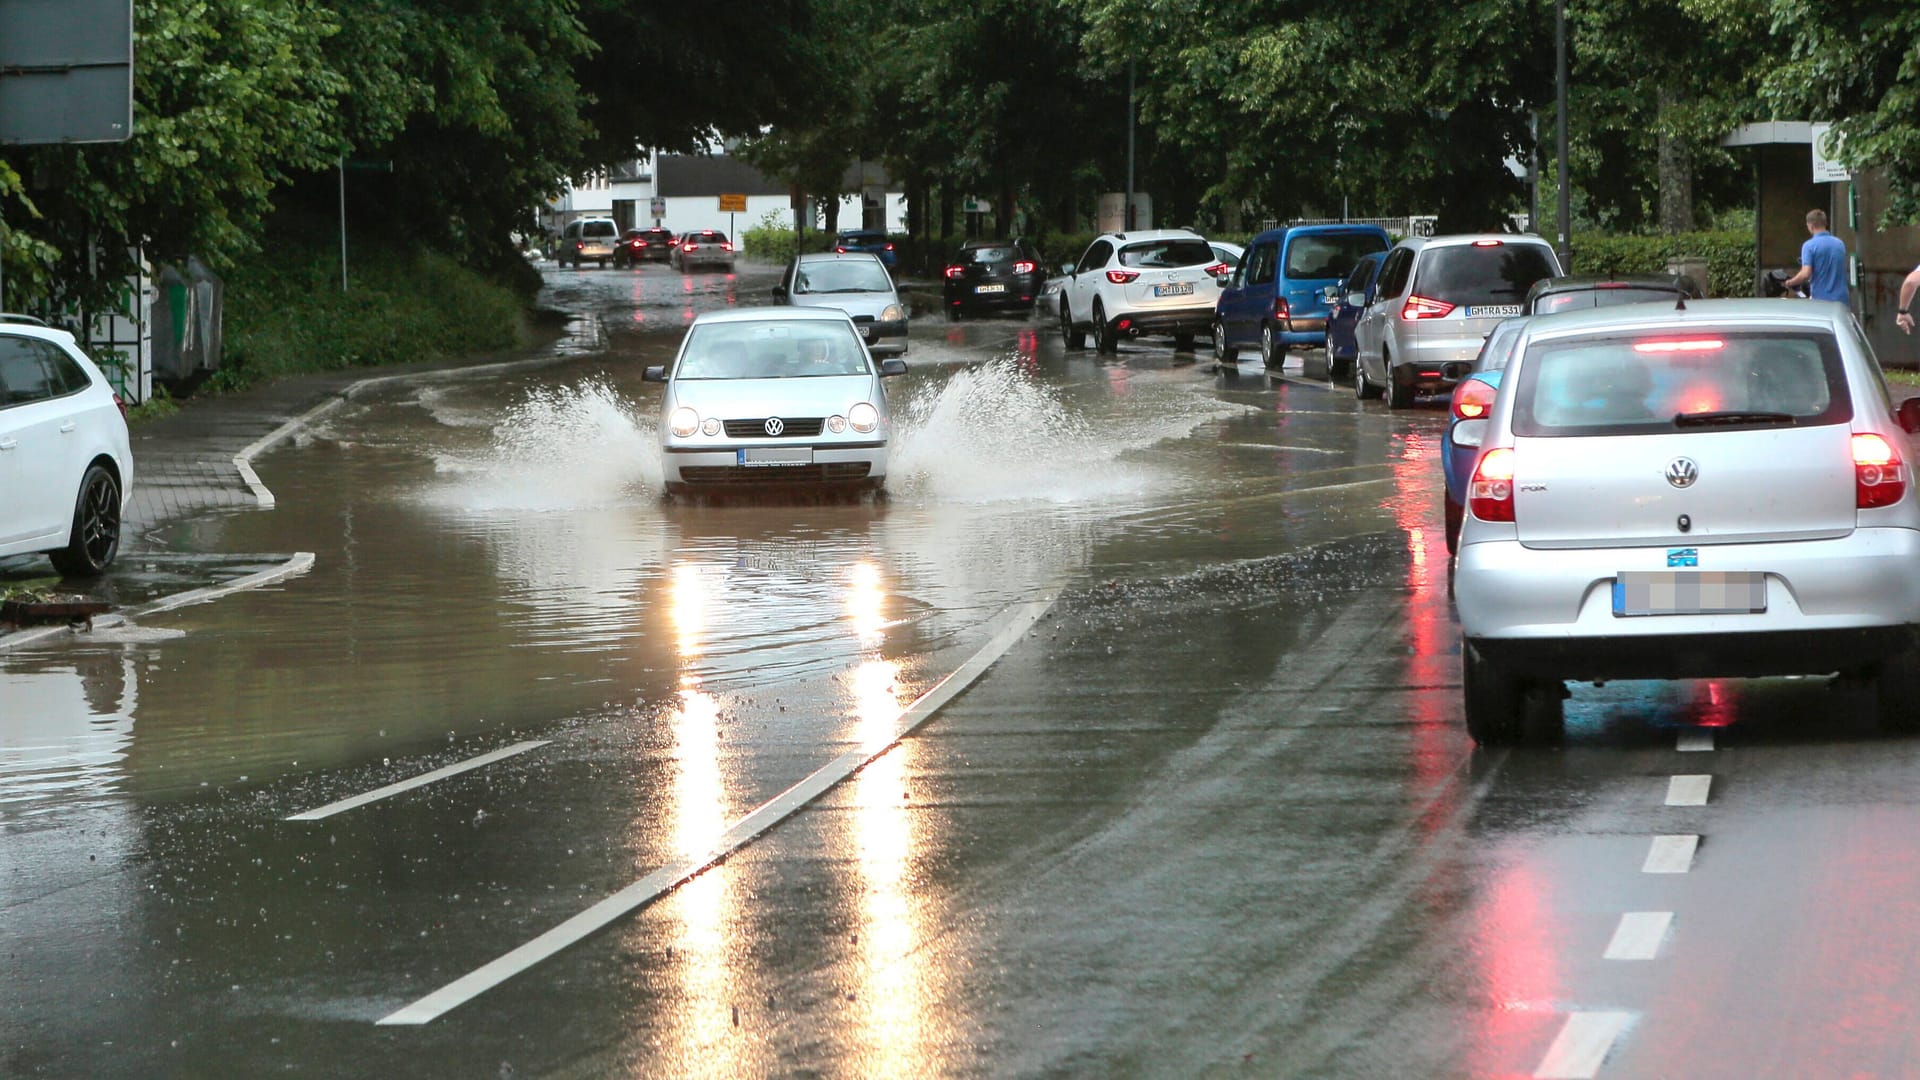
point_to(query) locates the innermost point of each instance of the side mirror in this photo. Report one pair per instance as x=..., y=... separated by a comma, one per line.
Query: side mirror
x=779, y=292
x=1470, y=433
x=657, y=373
x=1330, y=293
x=1357, y=300
x=1909, y=416
x=889, y=368
x=1066, y=269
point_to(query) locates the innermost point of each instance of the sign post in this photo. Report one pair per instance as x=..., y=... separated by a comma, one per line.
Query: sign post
x=659, y=209
x=731, y=205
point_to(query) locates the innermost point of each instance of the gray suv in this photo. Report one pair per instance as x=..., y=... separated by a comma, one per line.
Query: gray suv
x=1438, y=298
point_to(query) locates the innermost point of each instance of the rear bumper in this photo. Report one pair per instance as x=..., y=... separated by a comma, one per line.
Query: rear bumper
x=1195, y=320
x=1700, y=656
x=1306, y=331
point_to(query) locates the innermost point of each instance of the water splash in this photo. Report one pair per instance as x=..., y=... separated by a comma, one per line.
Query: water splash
x=562, y=448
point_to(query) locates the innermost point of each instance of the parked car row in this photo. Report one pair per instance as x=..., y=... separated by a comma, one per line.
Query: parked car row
x=598, y=240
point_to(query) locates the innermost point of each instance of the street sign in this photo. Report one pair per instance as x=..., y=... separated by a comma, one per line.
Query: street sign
x=733, y=204
x=66, y=71
x=975, y=205
x=1826, y=148
x=658, y=209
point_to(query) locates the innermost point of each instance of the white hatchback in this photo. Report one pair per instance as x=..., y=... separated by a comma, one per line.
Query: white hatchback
x=1128, y=284
x=65, y=463
x=1714, y=490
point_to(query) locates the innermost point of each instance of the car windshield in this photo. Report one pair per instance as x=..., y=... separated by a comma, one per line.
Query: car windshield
x=1489, y=273
x=1329, y=255
x=862, y=275
x=1499, y=346
x=772, y=350
x=599, y=228
x=1601, y=296
x=1167, y=253
x=1701, y=380
x=987, y=255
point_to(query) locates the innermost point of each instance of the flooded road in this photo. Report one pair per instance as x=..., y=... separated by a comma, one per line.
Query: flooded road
x=1214, y=812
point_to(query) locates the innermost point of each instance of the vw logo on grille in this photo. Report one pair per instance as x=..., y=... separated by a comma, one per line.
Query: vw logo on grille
x=775, y=426
x=1682, y=472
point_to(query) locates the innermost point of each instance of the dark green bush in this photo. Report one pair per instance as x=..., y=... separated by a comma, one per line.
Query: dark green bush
x=1729, y=255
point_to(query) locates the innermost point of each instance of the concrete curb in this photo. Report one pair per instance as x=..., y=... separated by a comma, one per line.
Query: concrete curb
x=299, y=563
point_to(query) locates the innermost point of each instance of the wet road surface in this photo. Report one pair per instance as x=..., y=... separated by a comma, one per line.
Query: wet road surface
x=1215, y=813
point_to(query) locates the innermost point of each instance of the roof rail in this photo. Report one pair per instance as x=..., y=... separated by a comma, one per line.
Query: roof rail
x=8, y=317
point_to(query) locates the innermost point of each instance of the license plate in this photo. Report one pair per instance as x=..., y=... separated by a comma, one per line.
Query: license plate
x=1689, y=592
x=1177, y=288
x=775, y=456
x=1493, y=311
x=866, y=330
x=989, y=288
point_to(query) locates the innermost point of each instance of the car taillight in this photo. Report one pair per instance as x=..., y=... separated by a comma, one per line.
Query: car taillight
x=1472, y=400
x=726, y=246
x=889, y=247
x=840, y=251
x=1491, y=493
x=689, y=246
x=579, y=245
x=953, y=272
x=1420, y=307
x=1486, y=243
x=120, y=403
x=1280, y=309
x=1023, y=268
x=1121, y=277
x=1219, y=269
x=1879, y=476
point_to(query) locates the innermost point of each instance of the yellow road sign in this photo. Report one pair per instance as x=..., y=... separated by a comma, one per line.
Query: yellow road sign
x=733, y=204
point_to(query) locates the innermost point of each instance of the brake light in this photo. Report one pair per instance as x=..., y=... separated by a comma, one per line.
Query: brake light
x=689, y=246
x=1280, y=309
x=1219, y=269
x=579, y=245
x=1679, y=345
x=889, y=247
x=840, y=251
x=726, y=246
x=1491, y=494
x=1420, y=307
x=1023, y=268
x=1487, y=243
x=1121, y=277
x=121, y=404
x=953, y=272
x=1879, y=476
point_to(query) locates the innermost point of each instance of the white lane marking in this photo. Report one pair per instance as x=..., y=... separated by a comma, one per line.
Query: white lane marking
x=1639, y=935
x=1581, y=1046
x=766, y=816
x=1695, y=741
x=1689, y=790
x=1670, y=855
x=299, y=563
x=420, y=781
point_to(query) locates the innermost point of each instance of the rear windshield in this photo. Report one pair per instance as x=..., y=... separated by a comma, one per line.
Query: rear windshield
x=706, y=237
x=1603, y=296
x=1167, y=253
x=862, y=275
x=1470, y=274
x=599, y=228
x=1698, y=381
x=863, y=238
x=987, y=255
x=772, y=350
x=1330, y=255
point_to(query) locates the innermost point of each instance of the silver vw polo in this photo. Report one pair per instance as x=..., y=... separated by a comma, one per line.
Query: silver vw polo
x=1718, y=489
x=772, y=397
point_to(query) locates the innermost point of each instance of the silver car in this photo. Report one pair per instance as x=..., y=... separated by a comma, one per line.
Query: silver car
x=1437, y=299
x=855, y=282
x=770, y=397
x=1718, y=489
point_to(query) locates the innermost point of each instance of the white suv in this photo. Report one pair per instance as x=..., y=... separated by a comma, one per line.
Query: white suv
x=1129, y=284
x=65, y=465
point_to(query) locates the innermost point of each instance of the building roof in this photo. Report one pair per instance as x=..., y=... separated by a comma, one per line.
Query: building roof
x=712, y=174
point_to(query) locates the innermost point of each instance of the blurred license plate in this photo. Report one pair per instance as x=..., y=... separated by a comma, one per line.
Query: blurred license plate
x=1689, y=592
x=989, y=288
x=866, y=330
x=1178, y=288
x=1490, y=311
x=776, y=455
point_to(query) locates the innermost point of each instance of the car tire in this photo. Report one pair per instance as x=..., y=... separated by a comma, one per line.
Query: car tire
x=1456, y=515
x=1183, y=342
x=1399, y=392
x=1103, y=335
x=1335, y=371
x=1363, y=388
x=1896, y=691
x=1223, y=353
x=95, y=537
x=1070, y=336
x=1268, y=357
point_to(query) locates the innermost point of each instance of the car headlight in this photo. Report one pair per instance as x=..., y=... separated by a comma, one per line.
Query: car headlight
x=863, y=417
x=711, y=427
x=836, y=424
x=893, y=314
x=683, y=422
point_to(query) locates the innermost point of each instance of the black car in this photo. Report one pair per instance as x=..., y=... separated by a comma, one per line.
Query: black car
x=1579, y=292
x=991, y=275
x=642, y=245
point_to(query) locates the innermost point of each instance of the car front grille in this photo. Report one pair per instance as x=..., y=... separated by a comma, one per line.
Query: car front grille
x=800, y=427
x=838, y=472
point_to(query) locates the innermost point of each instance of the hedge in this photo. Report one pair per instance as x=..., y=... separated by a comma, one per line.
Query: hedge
x=1729, y=255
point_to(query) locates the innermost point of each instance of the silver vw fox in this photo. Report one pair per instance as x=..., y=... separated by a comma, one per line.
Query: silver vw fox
x=1719, y=489
x=774, y=397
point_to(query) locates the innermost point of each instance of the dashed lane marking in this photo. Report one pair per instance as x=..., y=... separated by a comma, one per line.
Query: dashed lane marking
x=1670, y=855
x=1689, y=790
x=1582, y=1045
x=742, y=833
x=1639, y=935
x=1693, y=742
x=420, y=781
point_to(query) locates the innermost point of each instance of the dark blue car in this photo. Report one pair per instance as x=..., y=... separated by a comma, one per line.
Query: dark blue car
x=871, y=241
x=1275, y=299
x=1345, y=302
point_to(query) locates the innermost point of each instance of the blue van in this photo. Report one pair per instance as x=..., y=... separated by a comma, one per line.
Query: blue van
x=1276, y=298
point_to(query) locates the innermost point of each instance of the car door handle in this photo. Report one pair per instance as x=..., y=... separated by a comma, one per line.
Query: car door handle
x=66, y=427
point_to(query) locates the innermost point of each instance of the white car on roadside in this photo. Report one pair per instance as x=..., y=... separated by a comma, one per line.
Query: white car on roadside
x=65, y=462
x=1158, y=282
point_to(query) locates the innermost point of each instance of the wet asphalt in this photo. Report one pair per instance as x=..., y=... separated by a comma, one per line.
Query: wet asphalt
x=1215, y=814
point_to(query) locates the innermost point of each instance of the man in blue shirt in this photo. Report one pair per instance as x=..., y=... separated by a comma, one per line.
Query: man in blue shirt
x=1823, y=262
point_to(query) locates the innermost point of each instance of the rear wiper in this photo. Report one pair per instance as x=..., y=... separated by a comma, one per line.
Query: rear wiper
x=1730, y=417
